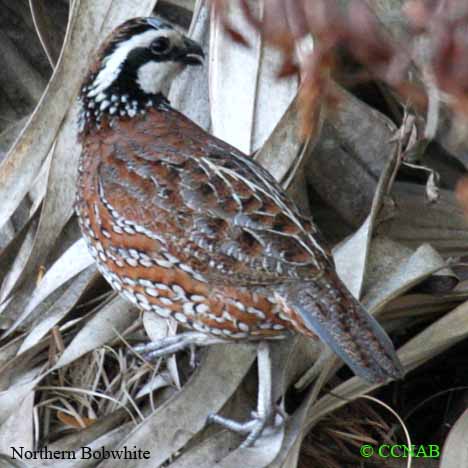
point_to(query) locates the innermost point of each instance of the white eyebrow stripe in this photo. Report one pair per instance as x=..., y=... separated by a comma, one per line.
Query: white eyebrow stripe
x=113, y=64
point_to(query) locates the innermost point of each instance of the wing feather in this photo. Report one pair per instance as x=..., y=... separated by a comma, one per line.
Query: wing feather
x=218, y=210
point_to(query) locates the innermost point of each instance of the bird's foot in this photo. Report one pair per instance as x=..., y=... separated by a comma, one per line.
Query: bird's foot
x=267, y=417
x=255, y=428
x=172, y=344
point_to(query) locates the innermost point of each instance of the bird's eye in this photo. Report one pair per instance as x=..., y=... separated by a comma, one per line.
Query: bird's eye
x=160, y=45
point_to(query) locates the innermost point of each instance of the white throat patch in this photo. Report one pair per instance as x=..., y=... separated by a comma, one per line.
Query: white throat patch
x=155, y=77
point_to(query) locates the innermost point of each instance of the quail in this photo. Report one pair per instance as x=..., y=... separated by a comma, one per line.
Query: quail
x=186, y=226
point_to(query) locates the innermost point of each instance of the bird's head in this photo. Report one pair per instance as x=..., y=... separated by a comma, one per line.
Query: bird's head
x=134, y=66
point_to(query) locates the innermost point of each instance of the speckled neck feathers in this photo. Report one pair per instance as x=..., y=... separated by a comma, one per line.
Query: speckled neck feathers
x=114, y=103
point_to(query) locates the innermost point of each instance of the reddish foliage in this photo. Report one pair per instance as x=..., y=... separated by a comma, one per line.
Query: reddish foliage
x=461, y=193
x=445, y=23
x=356, y=29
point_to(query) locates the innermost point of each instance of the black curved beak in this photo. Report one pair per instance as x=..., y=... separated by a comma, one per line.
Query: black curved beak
x=192, y=53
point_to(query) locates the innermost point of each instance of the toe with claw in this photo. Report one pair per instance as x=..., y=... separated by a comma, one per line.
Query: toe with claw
x=172, y=344
x=266, y=415
x=254, y=428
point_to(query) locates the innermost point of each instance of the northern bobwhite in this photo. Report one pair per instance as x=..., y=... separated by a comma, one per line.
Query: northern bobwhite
x=183, y=224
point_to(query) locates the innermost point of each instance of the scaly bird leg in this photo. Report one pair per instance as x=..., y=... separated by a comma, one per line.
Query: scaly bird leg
x=265, y=413
x=171, y=344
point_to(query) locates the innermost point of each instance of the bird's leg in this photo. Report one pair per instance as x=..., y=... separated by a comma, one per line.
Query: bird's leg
x=172, y=344
x=265, y=413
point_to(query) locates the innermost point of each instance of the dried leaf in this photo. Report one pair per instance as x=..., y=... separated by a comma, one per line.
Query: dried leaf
x=8, y=462
x=352, y=255
x=396, y=273
x=284, y=150
x=71, y=263
x=85, y=437
x=23, y=161
x=173, y=424
x=11, y=251
x=59, y=309
x=48, y=34
x=413, y=221
x=247, y=120
x=189, y=91
x=161, y=380
x=260, y=455
x=351, y=258
x=455, y=451
x=71, y=421
x=19, y=389
x=113, y=318
x=208, y=453
x=17, y=430
x=58, y=201
x=108, y=441
x=355, y=145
